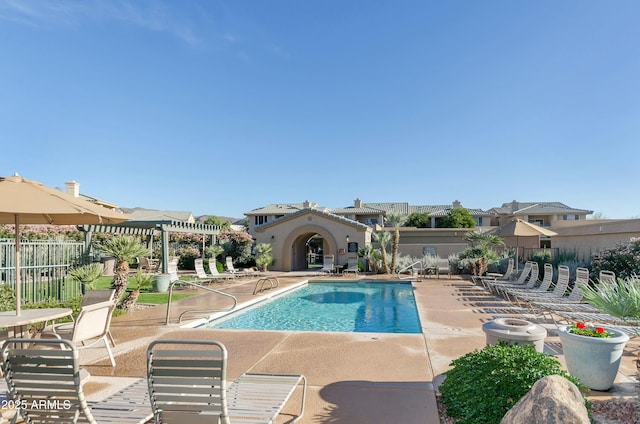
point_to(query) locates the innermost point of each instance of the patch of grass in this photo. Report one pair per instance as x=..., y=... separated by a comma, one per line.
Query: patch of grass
x=161, y=298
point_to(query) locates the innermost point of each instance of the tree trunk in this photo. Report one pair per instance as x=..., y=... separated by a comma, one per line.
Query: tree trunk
x=394, y=249
x=129, y=302
x=120, y=279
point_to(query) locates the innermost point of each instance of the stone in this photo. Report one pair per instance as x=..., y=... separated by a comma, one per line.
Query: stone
x=552, y=399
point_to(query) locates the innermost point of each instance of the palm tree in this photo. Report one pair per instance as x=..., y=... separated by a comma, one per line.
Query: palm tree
x=368, y=253
x=263, y=255
x=383, y=238
x=480, y=249
x=123, y=249
x=396, y=220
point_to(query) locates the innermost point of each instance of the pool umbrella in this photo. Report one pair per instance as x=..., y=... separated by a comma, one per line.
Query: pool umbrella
x=519, y=228
x=24, y=201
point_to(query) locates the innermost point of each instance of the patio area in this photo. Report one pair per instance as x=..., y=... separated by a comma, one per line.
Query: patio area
x=352, y=377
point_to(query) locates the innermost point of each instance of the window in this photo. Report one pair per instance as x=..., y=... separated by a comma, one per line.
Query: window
x=260, y=219
x=371, y=221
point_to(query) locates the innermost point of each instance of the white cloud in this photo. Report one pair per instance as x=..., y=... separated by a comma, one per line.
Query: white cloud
x=149, y=15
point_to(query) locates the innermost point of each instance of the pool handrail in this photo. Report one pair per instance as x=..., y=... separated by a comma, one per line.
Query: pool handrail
x=261, y=282
x=192, y=283
x=410, y=267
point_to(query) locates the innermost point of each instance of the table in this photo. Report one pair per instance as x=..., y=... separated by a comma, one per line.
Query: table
x=17, y=324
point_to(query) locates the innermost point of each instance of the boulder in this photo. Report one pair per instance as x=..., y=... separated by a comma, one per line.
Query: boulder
x=552, y=399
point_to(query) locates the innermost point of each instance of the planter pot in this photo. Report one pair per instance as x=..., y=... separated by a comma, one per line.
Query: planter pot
x=593, y=360
x=161, y=283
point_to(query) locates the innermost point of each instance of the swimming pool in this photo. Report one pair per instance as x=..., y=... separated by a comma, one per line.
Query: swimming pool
x=355, y=306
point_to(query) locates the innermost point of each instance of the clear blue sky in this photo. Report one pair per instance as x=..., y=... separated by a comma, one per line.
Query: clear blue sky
x=220, y=107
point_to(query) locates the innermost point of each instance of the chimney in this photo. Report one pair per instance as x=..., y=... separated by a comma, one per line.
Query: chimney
x=457, y=204
x=72, y=188
x=514, y=206
x=306, y=204
x=357, y=203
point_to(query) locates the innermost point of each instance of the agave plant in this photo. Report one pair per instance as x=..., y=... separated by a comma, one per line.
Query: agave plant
x=86, y=275
x=620, y=298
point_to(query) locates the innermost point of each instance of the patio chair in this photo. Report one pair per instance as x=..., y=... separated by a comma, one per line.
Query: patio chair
x=148, y=265
x=187, y=384
x=352, y=266
x=91, y=297
x=538, y=286
x=507, y=276
x=237, y=273
x=46, y=382
x=494, y=285
x=90, y=326
x=442, y=267
x=215, y=275
x=531, y=281
x=559, y=289
x=328, y=265
x=607, y=276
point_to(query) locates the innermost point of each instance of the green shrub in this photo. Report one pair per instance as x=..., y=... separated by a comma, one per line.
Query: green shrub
x=187, y=255
x=484, y=384
x=7, y=298
x=623, y=259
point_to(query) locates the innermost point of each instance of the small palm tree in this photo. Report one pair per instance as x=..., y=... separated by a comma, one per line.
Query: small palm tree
x=86, y=275
x=396, y=220
x=264, y=255
x=367, y=252
x=140, y=281
x=383, y=238
x=480, y=250
x=124, y=249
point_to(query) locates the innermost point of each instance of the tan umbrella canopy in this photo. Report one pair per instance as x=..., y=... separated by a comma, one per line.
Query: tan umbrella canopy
x=519, y=228
x=25, y=201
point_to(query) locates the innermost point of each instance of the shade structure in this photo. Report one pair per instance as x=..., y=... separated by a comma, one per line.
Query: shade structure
x=520, y=228
x=24, y=202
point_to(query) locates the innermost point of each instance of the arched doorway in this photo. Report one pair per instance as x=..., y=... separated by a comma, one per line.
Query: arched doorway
x=305, y=242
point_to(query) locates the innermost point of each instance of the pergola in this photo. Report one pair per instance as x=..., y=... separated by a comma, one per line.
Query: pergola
x=148, y=229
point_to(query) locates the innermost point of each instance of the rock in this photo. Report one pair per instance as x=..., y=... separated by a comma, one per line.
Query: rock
x=552, y=399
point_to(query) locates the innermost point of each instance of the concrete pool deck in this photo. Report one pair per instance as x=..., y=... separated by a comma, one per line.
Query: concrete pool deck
x=352, y=377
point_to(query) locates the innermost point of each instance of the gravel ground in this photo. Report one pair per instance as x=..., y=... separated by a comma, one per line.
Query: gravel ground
x=605, y=412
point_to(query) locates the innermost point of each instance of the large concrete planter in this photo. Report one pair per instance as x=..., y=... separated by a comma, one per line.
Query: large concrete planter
x=160, y=283
x=593, y=360
x=515, y=331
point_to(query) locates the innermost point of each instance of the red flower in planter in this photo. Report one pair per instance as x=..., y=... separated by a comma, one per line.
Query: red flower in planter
x=582, y=329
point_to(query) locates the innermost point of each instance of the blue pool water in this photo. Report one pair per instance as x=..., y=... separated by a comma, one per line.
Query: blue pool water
x=369, y=307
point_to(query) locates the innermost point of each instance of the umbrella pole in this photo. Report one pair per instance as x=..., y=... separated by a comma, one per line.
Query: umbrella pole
x=18, y=253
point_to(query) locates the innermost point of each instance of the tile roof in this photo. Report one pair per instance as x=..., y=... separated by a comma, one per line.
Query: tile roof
x=538, y=208
x=322, y=212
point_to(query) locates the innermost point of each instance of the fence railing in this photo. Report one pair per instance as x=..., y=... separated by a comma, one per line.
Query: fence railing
x=43, y=268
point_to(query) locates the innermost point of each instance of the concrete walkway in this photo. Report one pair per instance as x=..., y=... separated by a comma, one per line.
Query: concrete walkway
x=353, y=377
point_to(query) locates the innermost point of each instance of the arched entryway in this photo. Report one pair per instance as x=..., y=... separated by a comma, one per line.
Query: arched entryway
x=302, y=241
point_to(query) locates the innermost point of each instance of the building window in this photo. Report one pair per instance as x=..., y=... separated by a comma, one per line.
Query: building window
x=371, y=221
x=260, y=219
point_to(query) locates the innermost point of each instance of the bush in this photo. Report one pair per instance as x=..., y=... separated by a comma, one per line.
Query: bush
x=484, y=384
x=623, y=259
x=188, y=255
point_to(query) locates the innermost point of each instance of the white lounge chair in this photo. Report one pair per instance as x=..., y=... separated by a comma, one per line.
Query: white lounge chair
x=507, y=276
x=238, y=273
x=46, y=382
x=352, y=266
x=494, y=285
x=442, y=267
x=531, y=281
x=187, y=384
x=328, y=266
x=541, y=287
x=215, y=275
x=90, y=326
